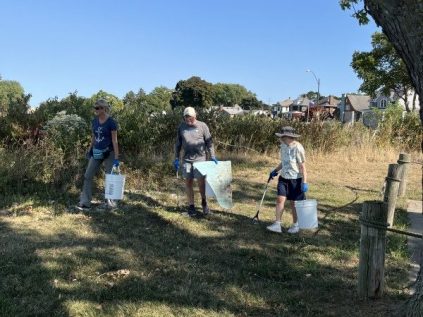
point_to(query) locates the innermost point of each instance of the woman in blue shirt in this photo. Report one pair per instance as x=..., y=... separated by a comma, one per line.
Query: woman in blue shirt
x=103, y=148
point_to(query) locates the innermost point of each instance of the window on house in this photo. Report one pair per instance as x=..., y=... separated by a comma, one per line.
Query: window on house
x=383, y=104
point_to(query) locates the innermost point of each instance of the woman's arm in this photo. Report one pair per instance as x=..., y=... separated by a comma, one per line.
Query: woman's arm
x=115, y=144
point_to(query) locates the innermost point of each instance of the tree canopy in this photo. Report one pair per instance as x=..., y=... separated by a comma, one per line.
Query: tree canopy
x=10, y=91
x=230, y=94
x=402, y=23
x=194, y=92
x=382, y=70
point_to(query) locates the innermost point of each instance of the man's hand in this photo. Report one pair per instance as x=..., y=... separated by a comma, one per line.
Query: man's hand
x=176, y=164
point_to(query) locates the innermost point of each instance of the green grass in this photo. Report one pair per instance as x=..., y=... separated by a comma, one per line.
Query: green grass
x=145, y=259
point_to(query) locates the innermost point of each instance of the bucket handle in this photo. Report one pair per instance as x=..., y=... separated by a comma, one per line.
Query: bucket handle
x=115, y=170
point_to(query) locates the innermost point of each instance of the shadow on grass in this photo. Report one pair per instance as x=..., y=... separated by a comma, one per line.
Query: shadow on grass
x=235, y=269
x=26, y=286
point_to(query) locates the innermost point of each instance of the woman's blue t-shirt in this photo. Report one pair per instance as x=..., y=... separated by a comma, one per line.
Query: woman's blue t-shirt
x=103, y=133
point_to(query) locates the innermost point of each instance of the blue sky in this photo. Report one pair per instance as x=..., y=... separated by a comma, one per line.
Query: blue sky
x=56, y=47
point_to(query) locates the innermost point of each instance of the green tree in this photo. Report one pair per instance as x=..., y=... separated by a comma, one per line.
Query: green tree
x=156, y=101
x=230, y=94
x=72, y=104
x=402, y=23
x=194, y=92
x=382, y=70
x=251, y=102
x=115, y=103
x=15, y=126
x=135, y=100
x=10, y=91
x=159, y=99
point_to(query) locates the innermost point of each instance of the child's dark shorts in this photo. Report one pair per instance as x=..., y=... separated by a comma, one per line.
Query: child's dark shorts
x=290, y=188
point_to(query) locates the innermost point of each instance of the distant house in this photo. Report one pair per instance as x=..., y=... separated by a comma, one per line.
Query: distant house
x=258, y=112
x=329, y=104
x=381, y=102
x=281, y=107
x=412, y=100
x=232, y=111
x=300, y=104
x=353, y=107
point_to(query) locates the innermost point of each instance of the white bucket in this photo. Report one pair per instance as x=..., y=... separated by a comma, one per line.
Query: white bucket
x=114, y=187
x=307, y=213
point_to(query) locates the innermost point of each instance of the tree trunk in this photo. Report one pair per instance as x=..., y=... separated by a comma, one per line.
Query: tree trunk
x=407, y=108
x=414, y=101
x=401, y=21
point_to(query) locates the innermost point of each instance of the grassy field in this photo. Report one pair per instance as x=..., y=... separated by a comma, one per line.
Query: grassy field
x=145, y=259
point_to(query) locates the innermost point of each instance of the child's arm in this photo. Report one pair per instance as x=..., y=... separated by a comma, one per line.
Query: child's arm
x=278, y=168
x=303, y=171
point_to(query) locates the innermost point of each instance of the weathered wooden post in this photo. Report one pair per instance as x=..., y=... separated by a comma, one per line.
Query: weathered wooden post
x=391, y=190
x=372, y=249
x=404, y=160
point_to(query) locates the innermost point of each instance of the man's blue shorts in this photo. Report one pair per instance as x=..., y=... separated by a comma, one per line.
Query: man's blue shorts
x=290, y=188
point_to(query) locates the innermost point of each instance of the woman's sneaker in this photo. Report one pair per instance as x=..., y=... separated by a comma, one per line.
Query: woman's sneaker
x=275, y=227
x=82, y=207
x=294, y=228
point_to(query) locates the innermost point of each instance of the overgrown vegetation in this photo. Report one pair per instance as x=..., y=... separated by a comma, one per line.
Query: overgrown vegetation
x=48, y=145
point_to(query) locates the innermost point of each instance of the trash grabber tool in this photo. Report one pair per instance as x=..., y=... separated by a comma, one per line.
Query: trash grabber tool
x=256, y=217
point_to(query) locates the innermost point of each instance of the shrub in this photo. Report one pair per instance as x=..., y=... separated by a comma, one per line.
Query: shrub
x=67, y=132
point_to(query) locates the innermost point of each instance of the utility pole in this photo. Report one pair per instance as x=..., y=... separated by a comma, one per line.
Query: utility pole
x=318, y=92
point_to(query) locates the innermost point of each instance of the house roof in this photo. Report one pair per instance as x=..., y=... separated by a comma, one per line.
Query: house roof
x=359, y=102
x=302, y=101
x=329, y=101
x=233, y=110
x=286, y=102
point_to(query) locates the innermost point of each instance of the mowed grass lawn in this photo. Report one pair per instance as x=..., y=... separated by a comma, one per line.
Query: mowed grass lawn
x=146, y=259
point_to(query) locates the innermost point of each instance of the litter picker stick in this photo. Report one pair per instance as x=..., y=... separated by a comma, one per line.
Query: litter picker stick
x=256, y=217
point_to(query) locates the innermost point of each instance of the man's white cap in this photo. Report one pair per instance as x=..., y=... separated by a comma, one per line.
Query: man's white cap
x=190, y=111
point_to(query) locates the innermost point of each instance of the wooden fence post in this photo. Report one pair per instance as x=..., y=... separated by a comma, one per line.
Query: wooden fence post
x=372, y=250
x=404, y=160
x=391, y=190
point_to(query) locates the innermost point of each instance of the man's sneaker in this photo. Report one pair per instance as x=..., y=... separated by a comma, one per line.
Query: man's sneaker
x=275, y=227
x=82, y=207
x=191, y=212
x=294, y=228
x=206, y=209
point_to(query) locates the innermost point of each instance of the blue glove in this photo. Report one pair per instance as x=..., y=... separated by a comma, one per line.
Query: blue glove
x=214, y=159
x=116, y=163
x=272, y=174
x=304, y=187
x=176, y=164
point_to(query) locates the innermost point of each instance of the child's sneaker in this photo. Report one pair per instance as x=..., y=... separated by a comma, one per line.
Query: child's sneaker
x=275, y=227
x=294, y=228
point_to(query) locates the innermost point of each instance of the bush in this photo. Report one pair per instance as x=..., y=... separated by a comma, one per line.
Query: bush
x=67, y=132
